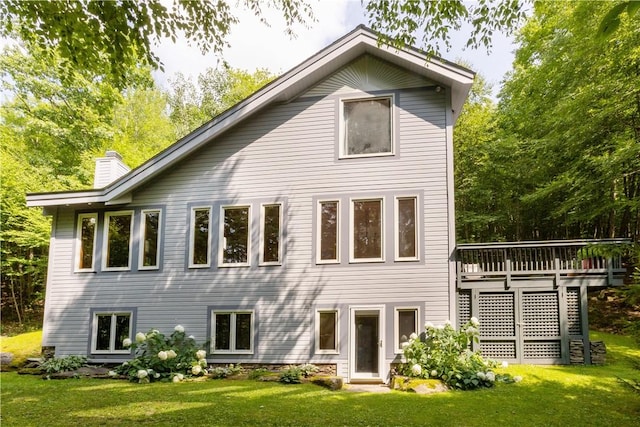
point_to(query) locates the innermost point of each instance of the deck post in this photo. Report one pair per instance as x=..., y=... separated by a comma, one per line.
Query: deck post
x=507, y=267
x=610, y=271
x=556, y=268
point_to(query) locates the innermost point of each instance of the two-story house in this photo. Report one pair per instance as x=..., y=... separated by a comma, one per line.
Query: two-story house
x=312, y=222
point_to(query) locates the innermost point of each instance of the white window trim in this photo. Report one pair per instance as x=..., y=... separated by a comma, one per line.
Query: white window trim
x=396, y=325
x=105, y=241
x=112, y=333
x=365, y=97
x=319, y=260
x=262, y=231
x=232, y=331
x=337, y=331
x=222, y=245
x=397, y=228
x=143, y=223
x=93, y=215
x=192, y=231
x=352, y=258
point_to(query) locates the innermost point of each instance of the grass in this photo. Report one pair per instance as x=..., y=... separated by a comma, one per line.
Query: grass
x=548, y=396
x=22, y=346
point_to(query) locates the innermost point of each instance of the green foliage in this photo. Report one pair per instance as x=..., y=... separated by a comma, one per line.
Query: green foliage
x=63, y=364
x=256, y=374
x=291, y=375
x=110, y=37
x=220, y=372
x=162, y=358
x=444, y=353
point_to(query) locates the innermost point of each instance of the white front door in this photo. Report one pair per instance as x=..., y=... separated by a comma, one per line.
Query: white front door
x=366, y=347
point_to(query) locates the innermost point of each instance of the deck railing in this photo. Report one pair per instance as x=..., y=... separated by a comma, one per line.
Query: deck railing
x=490, y=261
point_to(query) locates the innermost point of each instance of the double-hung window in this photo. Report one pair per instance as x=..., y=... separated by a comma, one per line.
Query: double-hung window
x=367, y=127
x=234, y=235
x=271, y=234
x=367, y=230
x=327, y=332
x=406, y=229
x=118, y=229
x=232, y=331
x=150, y=240
x=86, y=241
x=328, y=232
x=200, y=237
x=109, y=332
x=406, y=322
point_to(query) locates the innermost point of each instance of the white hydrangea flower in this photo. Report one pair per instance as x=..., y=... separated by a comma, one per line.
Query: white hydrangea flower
x=181, y=376
x=113, y=374
x=196, y=370
x=179, y=328
x=434, y=373
x=504, y=364
x=517, y=378
x=203, y=363
x=171, y=354
x=428, y=325
x=156, y=375
x=447, y=322
x=142, y=373
x=491, y=376
x=175, y=379
x=481, y=375
x=191, y=337
x=416, y=369
x=201, y=354
x=162, y=355
x=474, y=321
x=140, y=337
x=126, y=342
x=413, y=336
x=405, y=345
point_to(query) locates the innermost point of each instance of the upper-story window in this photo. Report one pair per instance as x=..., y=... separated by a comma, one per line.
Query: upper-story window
x=406, y=229
x=117, y=240
x=86, y=241
x=150, y=240
x=200, y=237
x=234, y=235
x=328, y=231
x=271, y=234
x=367, y=230
x=367, y=127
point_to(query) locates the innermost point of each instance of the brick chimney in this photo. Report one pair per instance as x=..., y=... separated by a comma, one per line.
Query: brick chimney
x=108, y=169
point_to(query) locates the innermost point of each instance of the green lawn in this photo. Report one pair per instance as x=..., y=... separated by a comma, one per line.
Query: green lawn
x=548, y=396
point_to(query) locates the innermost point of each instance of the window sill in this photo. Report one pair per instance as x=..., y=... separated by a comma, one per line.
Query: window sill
x=365, y=156
x=238, y=265
x=334, y=352
x=116, y=269
x=199, y=266
x=231, y=352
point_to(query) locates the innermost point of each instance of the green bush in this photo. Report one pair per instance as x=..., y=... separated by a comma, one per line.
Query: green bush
x=161, y=358
x=258, y=373
x=63, y=364
x=291, y=375
x=444, y=353
x=220, y=372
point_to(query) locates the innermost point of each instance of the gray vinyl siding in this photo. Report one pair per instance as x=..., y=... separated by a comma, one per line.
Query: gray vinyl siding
x=286, y=152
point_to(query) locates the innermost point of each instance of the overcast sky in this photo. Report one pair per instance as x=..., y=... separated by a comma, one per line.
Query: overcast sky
x=254, y=45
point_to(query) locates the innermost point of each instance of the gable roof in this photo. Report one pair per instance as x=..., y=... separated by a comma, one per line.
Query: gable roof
x=287, y=87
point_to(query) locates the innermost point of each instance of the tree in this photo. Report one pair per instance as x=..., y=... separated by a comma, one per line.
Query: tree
x=217, y=90
x=112, y=36
x=573, y=107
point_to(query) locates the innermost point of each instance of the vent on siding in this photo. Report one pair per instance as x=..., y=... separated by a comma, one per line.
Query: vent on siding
x=496, y=314
x=540, y=314
x=498, y=349
x=573, y=311
x=464, y=307
x=541, y=350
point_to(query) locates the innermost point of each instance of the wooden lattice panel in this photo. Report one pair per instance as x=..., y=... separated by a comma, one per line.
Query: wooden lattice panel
x=496, y=314
x=540, y=314
x=498, y=349
x=573, y=311
x=464, y=307
x=542, y=350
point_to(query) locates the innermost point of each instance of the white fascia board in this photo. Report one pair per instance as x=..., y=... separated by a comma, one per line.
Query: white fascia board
x=66, y=198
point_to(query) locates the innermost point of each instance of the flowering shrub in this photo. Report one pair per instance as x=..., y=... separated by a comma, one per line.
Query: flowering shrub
x=225, y=371
x=161, y=358
x=444, y=353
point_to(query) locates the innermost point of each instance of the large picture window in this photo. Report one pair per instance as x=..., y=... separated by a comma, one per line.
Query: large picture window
x=109, y=332
x=367, y=127
x=86, y=241
x=234, y=247
x=327, y=331
x=117, y=240
x=200, y=237
x=367, y=230
x=271, y=235
x=328, y=214
x=406, y=229
x=232, y=331
x=150, y=240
